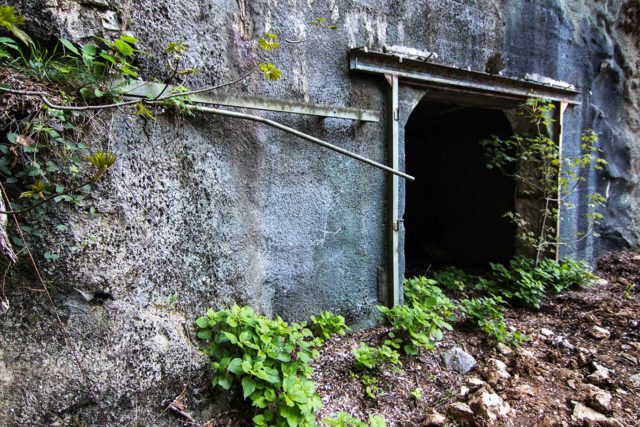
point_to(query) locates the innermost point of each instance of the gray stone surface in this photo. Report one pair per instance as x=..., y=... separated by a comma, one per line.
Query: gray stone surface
x=458, y=360
x=220, y=211
x=600, y=375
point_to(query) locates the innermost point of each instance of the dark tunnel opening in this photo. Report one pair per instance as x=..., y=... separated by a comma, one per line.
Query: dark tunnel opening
x=454, y=209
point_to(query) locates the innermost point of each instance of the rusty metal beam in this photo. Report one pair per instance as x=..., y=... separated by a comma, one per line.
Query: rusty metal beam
x=151, y=90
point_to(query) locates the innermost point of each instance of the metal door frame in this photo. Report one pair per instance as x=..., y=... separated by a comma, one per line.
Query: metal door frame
x=447, y=80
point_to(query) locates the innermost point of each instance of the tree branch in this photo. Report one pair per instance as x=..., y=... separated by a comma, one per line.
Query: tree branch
x=210, y=88
x=48, y=103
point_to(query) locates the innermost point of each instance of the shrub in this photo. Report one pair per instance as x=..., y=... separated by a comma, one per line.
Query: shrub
x=327, y=324
x=423, y=292
x=418, y=326
x=452, y=279
x=269, y=359
x=546, y=176
x=487, y=314
x=559, y=276
x=517, y=281
x=527, y=283
x=367, y=357
x=426, y=313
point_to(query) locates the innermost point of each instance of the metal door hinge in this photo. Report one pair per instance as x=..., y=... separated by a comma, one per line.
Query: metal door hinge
x=396, y=224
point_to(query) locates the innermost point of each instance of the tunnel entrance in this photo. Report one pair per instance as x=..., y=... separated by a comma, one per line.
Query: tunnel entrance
x=454, y=210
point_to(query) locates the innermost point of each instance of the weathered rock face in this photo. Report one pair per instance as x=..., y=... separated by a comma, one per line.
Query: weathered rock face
x=219, y=211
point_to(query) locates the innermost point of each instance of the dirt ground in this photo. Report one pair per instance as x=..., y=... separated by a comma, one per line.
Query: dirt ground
x=548, y=374
x=543, y=382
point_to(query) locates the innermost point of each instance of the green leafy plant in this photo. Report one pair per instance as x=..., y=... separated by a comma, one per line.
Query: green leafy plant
x=544, y=176
x=270, y=71
x=370, y=382
x=527, y=283
x=369, y=362
x=367, y=357
x=488, y=314
x=269, y=42
x=169, y=302
x=326, y=324
x=627, y=290
x=452, y=279
x=419, y=326
x=562, y=275
x=422, y=320
x=90, y=70
x=100, y=71
x=322, y=22
x=267, y=358
x=417, y=394
x=421, y=290
x=343, y=419
x=178, y=104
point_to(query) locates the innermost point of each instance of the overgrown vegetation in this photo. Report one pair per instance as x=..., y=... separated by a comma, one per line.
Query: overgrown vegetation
x=268, y=359
x=524, y=282
x=488, y=314
x=44, y=144
x=545, y=176
x=326, y=324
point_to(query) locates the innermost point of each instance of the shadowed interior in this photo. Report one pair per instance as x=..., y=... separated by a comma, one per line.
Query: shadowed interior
x=454, y=209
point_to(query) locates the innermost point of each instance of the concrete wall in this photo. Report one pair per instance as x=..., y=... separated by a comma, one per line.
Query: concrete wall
x=221, y=211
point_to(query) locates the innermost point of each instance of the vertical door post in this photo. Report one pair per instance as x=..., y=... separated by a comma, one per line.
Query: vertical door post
x=560, y=109
x=393, y=223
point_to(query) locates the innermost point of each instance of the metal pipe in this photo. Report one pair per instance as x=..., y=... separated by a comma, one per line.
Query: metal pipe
x=299, y=134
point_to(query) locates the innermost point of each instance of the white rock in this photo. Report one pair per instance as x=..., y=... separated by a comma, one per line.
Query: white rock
x=475, y=383
x=547, y=332
x=464, y=392
x=600, y=282
x=634, y=381
x=461, y=413
x=489, y=406
x=599, y=333
x=630, y=358
x=600, y=374
x=599, y=399
x=504, y=349
x=524, y=389
x=560, y=341
x=585, y=415
x=496, y=371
